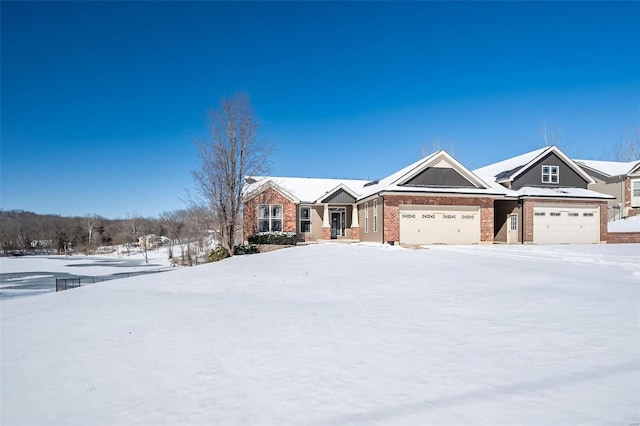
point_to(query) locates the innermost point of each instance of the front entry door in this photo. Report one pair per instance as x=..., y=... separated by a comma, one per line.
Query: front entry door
x=512, y=229
x=335, y=225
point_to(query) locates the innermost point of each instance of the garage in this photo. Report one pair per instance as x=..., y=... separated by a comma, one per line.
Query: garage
x=439, y=225
x=565, y=224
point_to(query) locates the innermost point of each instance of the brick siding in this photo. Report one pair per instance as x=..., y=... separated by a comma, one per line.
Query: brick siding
x=355, y=233
x=623, y=237
x=627, y=193
x=269, y=196
x=633, y=212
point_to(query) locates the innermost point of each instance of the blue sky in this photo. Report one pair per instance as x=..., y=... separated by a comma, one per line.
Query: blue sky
x=100, y=101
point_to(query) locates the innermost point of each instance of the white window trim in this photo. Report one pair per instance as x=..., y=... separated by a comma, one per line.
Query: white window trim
x=306, y=220
x=270, y=217
x=375, y=215
x=635, y=200
x=550, y=175
x=366, y=217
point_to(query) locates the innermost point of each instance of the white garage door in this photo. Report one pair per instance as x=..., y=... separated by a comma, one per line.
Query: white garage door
x=566, y=225
x=439, y=225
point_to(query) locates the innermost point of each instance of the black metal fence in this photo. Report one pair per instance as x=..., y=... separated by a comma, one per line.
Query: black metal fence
x=65, y=283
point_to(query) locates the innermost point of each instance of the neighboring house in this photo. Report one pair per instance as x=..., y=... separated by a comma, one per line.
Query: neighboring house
x=539, y=197
x=618, y=179
x=150, y=241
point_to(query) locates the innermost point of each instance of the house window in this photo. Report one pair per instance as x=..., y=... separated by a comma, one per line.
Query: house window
x=305, y=219
x=550, y=174
x=366, y=217
x=635, y=193
x=513, y=223
x=269, y=217
x=375, y=215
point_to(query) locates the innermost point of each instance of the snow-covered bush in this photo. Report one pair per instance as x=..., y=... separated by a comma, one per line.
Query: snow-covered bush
x=245, y=249
x=278, y=238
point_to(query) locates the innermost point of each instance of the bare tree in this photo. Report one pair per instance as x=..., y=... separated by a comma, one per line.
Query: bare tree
x=550, y=136
x=437, y=145
x=555, y=137
x=173, y=223
x=230, y=152
x=629, y=148
x=90, y=223
x=198, y=221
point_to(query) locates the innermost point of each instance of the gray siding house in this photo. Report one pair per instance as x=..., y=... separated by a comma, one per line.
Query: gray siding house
x=621, y=180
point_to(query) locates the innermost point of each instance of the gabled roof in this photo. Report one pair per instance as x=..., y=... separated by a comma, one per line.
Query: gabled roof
x=343, y=187
x=509, y=170
x=257, y=185
x=610, y=168
x=303, y=190
x=395, y=181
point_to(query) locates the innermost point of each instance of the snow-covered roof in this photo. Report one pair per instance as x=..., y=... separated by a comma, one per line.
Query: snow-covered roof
x=305, y=189
x=509, y=169
x=394, y=181
x=534, y=191
x=609, y=168
x=510, y=165
x=485, y=179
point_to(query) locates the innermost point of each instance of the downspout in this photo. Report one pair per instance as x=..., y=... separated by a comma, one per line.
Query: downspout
x=382, y=221
x=521, y=207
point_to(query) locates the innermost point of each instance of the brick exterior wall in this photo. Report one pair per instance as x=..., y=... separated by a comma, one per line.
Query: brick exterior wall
x=269, y=196
x=391, y=218
x=633, y=211
x=627, y=192
x=326, y=233
x=623, y=237
x=355, y=233
x=528, y=205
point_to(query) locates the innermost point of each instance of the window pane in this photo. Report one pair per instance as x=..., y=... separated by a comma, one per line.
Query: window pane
x=554, y=170
x=305, y=213
x=554, y=178
x=263, y=226
x=276, y=225
x=276, y=210
x=545, y=178
x=545, y=170
x=305, y=226
x=263, y=211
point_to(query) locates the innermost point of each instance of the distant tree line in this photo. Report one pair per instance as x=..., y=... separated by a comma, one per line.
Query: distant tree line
x=24, y=232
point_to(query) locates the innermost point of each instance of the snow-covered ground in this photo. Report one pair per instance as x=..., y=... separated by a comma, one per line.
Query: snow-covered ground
x=631, y=224
x=334, y=334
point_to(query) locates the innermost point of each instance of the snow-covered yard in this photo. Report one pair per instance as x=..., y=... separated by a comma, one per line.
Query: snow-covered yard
x=337, y=335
